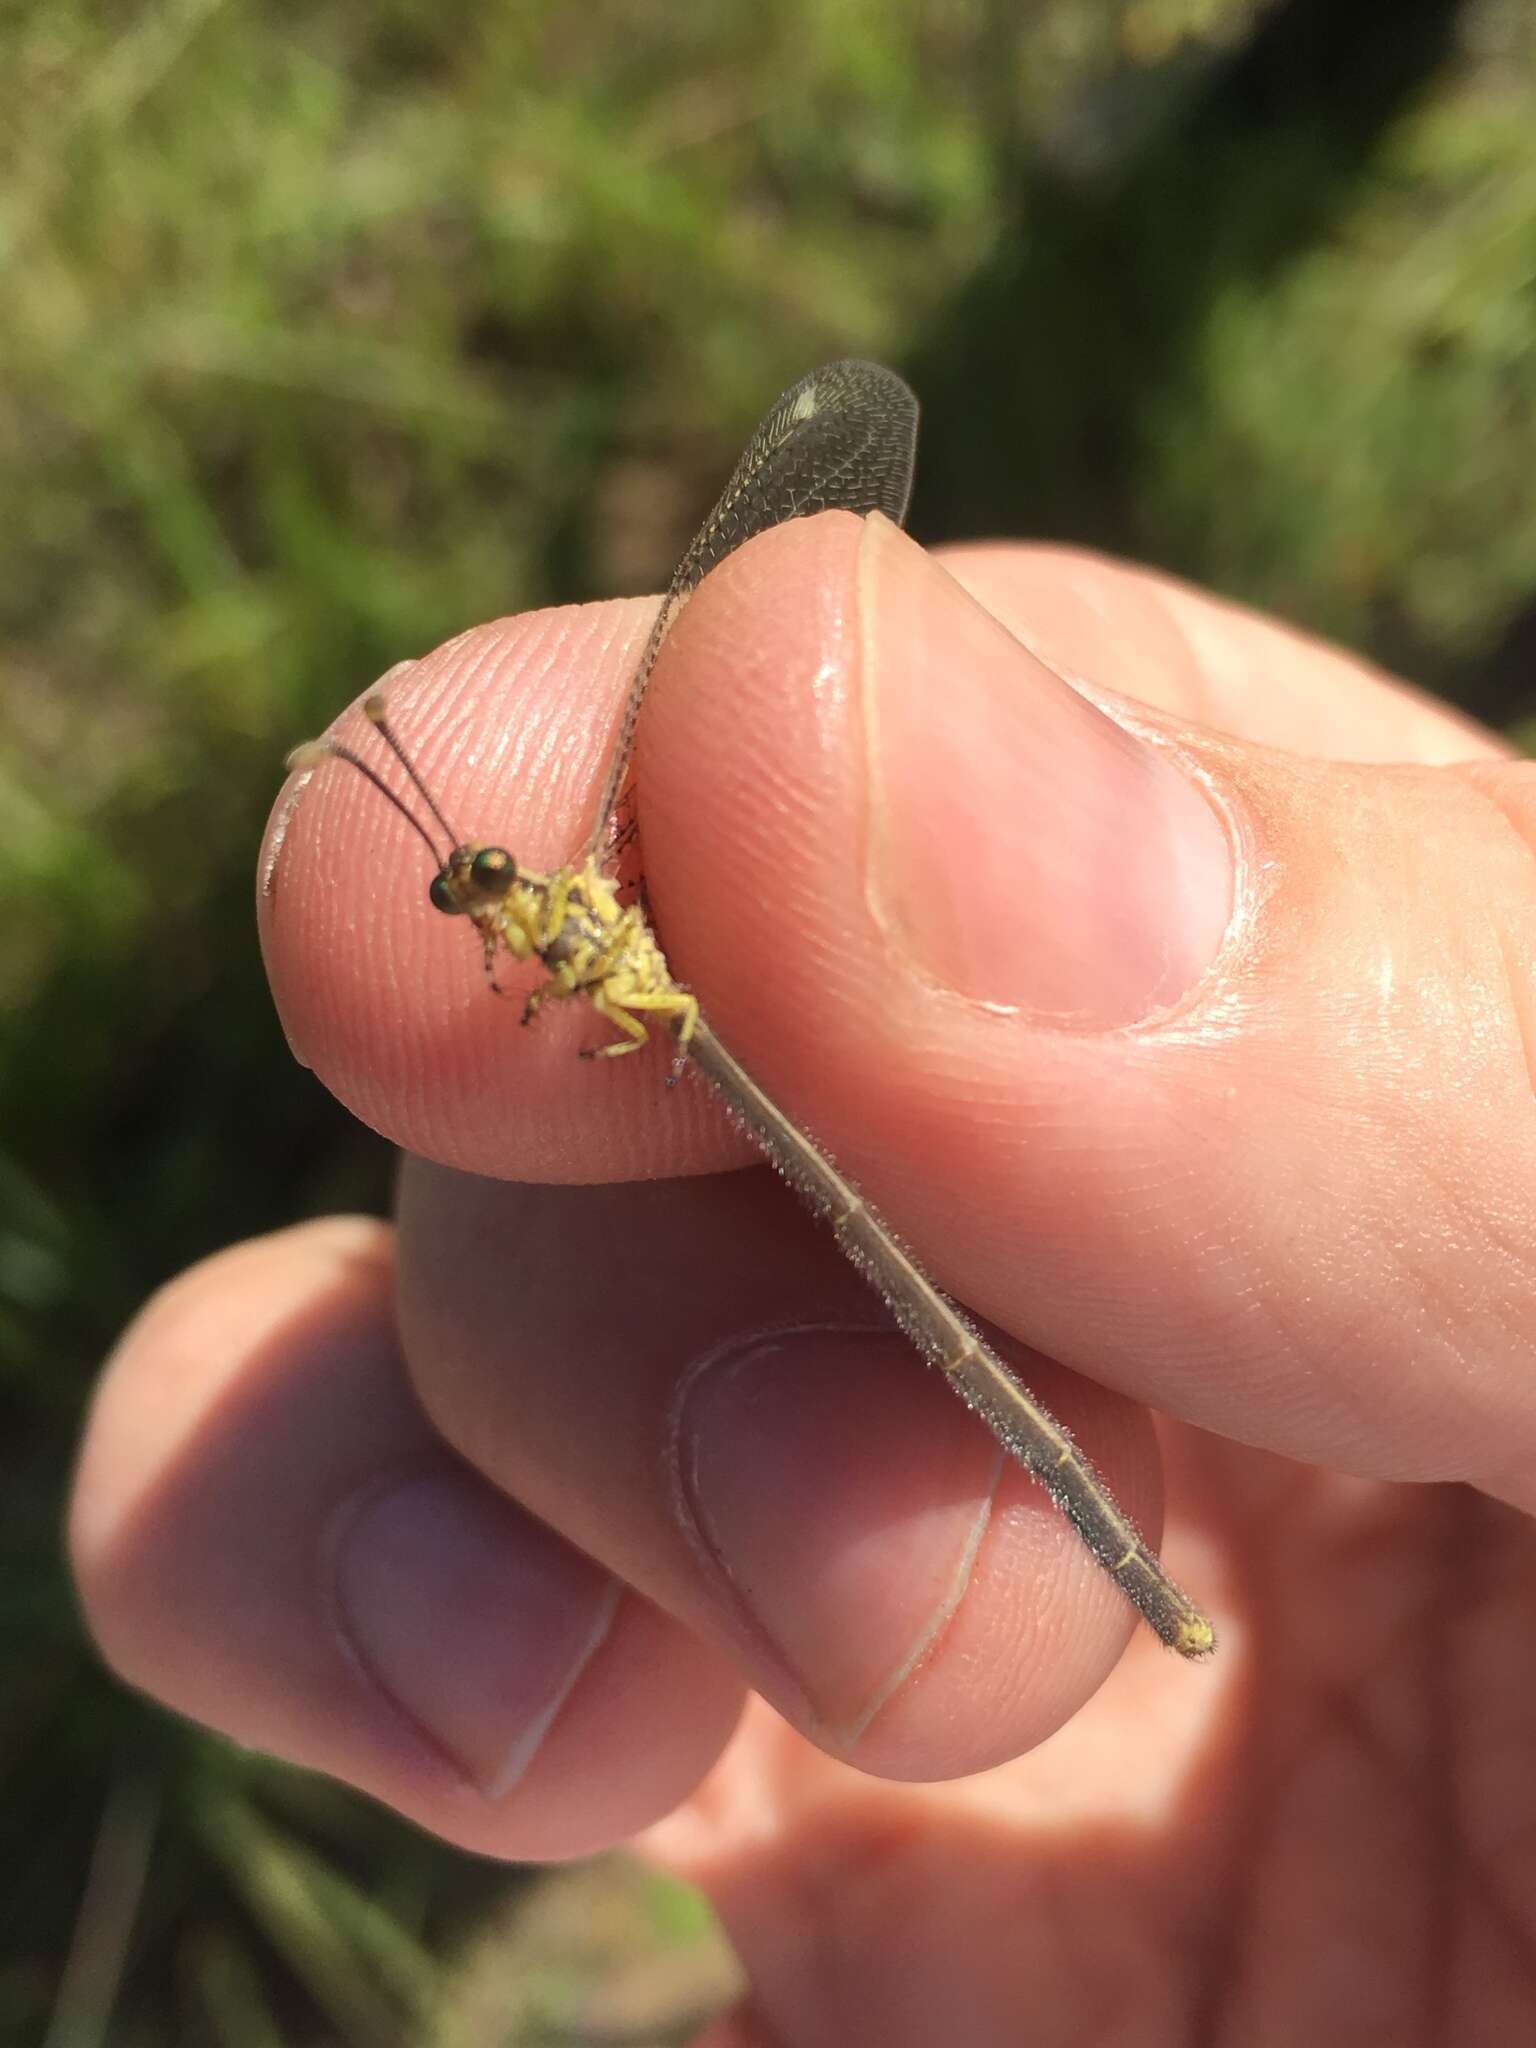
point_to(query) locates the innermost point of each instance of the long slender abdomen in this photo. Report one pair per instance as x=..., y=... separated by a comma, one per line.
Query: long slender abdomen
x=947, y=1339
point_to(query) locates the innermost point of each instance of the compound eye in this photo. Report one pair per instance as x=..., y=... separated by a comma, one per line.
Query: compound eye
x=442, y=896
x=493, y=871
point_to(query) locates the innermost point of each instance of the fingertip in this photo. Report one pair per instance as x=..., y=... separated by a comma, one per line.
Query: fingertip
x=387, y=1000
x=175, y=1365
x=268, y=1536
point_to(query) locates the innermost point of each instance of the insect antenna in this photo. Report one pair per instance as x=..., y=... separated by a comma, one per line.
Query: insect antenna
x=375, y=712
x=314, y=751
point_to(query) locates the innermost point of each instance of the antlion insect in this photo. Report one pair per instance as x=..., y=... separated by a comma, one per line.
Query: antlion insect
x=842, y=438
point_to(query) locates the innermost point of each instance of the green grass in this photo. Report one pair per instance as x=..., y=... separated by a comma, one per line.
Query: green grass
x=329, y=330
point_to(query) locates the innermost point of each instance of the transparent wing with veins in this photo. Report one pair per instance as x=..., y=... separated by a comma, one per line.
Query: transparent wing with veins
x=844, y=439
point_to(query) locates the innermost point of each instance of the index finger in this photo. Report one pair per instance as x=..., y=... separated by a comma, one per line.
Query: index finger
x=511, y=727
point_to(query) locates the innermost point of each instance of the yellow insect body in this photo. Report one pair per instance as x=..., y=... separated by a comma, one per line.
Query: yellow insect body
x=574, y=924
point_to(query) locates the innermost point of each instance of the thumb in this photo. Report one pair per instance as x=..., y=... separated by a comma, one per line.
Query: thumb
x=1202, y=1066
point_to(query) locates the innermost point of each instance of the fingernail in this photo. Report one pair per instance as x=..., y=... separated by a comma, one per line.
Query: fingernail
x=842, y=1555
x=474, y=1618
x=1023, y=848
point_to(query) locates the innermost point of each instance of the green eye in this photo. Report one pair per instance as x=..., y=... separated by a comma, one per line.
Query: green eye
x=442, y=896
x=493, y=871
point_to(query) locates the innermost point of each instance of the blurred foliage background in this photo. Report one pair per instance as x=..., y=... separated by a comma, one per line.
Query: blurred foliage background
x=331, y=328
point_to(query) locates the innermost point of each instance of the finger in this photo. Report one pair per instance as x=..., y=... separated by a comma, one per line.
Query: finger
x=702, y=1396
x=268, y=1536
x=386, y=999
x=1128, y=629
x=1198, y=1064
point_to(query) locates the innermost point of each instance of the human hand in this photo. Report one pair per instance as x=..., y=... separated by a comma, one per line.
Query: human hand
x=641, y=1449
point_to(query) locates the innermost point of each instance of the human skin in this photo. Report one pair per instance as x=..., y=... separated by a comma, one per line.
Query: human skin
x=1188, y=1039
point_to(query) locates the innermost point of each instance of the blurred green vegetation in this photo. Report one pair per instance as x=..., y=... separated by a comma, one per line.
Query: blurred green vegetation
x=330, y=329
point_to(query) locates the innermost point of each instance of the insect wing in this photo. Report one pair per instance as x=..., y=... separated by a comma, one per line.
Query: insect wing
x=843, y=439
